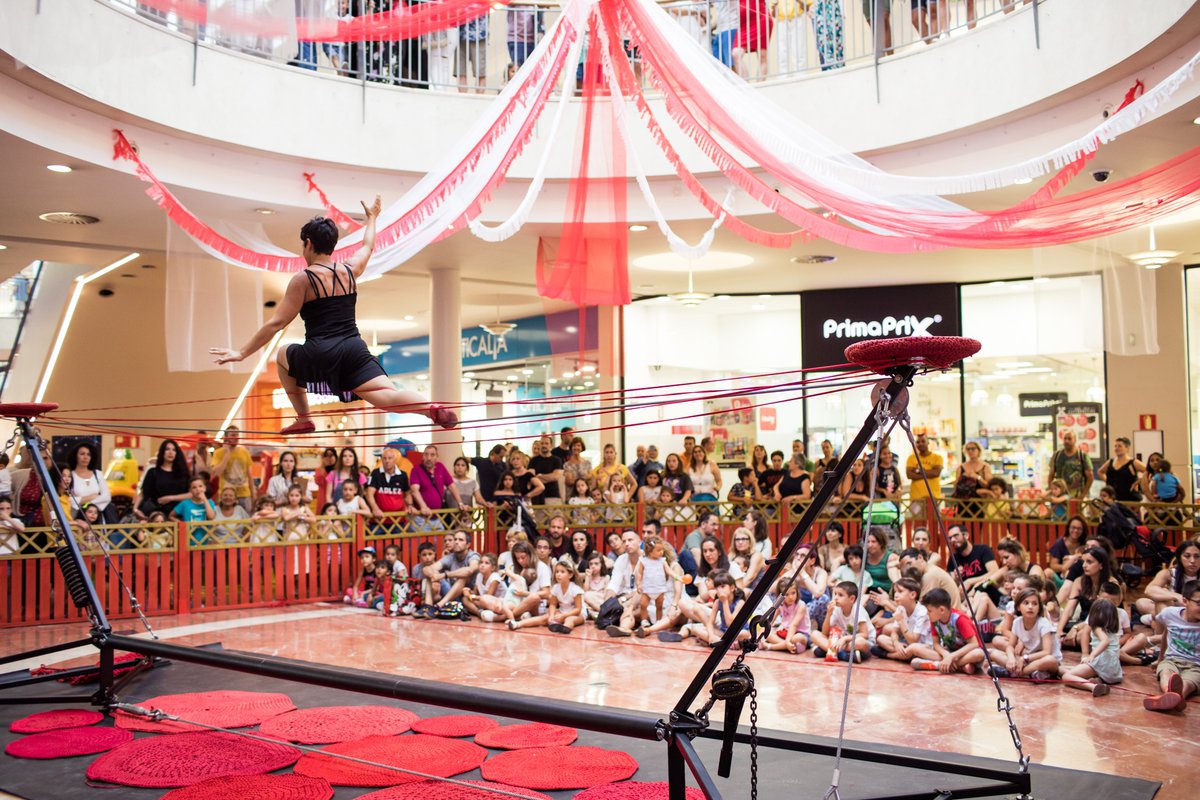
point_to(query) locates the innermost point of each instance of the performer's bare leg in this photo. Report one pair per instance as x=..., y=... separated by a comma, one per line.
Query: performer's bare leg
x=297, y=394
x=380, y=393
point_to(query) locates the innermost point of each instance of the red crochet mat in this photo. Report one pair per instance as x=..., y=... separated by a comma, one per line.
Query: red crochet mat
x=560, y=767
x=188, y=758
x=454, y=725
x=437, y=790
x=255, y=787
x=227, y=709
x=56, y=719
x=68, y=742
x=634, y=790
x=532, y=734
x=938, y=352
x=330, y=724
x=90, y=677
x=432, y=755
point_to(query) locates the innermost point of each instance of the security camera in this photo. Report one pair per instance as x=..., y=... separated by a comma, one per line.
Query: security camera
x=1101, y=175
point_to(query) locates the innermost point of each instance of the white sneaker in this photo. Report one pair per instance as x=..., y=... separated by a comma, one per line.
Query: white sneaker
x=1146, y=620
x=527, y=615
x=487, y=616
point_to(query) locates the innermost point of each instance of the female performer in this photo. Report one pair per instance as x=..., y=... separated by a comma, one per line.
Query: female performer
x=333, y=359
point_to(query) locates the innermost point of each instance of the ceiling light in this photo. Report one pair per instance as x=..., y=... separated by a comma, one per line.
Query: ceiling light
x=68, y=218
x=409, y=317
x=527, y=372
x=1041, y=279
x=1153, y=258
x=813, y=259
x=498, y=328
x=1022, y=181
x=266, y=212
x=588, y=384
x=689, y=299
x=568, y=374
x=638, y=228
x=1196, y=121
x=469, y=374
x=465, y=380
x=3, y=247
x=60, y=168
x=552, y=380
x=511, y=378
x=376, y=349
x=422, y=377
x=722, y=297
x=571, y=329
x=588, y=368
x=406, y=353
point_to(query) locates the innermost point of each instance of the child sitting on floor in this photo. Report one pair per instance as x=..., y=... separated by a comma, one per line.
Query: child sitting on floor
x=847, y=629
x=1136, y=648
x=379, y=595
x=391, y=555
x=909, y=633
x=356, y=594
x=654, y=574
x=1178, y=669
x=954, y=637
x=791, y=630
x=485, y=597
x=1030, y=647
x=728, y=598
x=1100, y=661
x=851, y=570
x=426, y=556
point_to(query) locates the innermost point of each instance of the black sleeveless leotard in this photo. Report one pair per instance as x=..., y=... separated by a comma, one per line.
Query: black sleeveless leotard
x=333, y=359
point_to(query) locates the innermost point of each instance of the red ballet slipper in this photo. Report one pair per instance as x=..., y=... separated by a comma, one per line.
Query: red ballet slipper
x=298, y=427
x=443, y=416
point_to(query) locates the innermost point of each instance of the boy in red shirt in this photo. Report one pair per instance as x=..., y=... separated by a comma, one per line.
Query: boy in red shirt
x=954, y=637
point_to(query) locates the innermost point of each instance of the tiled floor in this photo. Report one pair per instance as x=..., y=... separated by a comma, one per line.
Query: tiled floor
x=889, y=703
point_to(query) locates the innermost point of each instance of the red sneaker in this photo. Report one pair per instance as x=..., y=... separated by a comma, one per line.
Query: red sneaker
x=1168, y=701
x=443, y=416
x=298, y=427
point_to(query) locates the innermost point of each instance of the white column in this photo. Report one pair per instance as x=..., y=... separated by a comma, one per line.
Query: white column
x=445, y=351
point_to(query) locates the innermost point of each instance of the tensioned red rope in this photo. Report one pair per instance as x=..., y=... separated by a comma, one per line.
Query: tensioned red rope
x=336, y=214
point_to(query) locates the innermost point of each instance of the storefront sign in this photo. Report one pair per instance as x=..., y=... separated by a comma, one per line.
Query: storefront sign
x=534, y=337
x=831, y=320
x=1148, y=422
x=767, y=421
x=1040, y=404
x=1086, y=421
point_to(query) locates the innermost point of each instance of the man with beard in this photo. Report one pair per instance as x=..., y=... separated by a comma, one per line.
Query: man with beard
x=973, y=561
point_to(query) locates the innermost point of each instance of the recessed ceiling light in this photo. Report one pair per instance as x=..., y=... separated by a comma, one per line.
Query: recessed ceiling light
x=409, y=317
x=815, y=259
x=526, y=371
x=552, y=380
x=765, y=295
x=1196, y=121
x=569, y=374
x=997, y=283
x=3, y=247
x=266, y=212
x=722, y=297
x=468, y=374
x=638, y=228
x=62, y=168
x=68, y=218
x=422, y=377
x=406, y=354
x=466, y=379
x=512, y=378
x=1022, y=181
x=571, y=329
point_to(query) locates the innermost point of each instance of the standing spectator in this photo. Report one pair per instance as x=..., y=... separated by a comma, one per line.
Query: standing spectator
x=231, y=467
x=791, y=39
x=164, y=484
x=388, y=488
x=523, y=22
x=526, y=483
x=924, y=19
x=1072, y=466
x=227, y=510
x=754, y=34
x=705, y=477
x=931, y=463
x=828, y=459
x=609, y=467
x=769, y=477
x=347, y=470
x=285, y=475
x=689, y=444
x=195, y=508
x=827, y=26
x=883, y=32
x=548, y=469
x=5, y=476
x=576, y=466
x=1123, y=472
x=796, y=484
x=724, y=36
x=888, y=484
x=798, y=449
x=329, y=459
x=431, y=481
x=563, y=451
x=468, y=487
x=87, y=483
x=488, y=471
x=692, y=17
x=676, y=480
x=472, y=47
x=651, y=464
x=442, y=47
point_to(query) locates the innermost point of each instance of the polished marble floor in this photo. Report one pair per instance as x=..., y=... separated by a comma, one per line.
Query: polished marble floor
x=889, y=703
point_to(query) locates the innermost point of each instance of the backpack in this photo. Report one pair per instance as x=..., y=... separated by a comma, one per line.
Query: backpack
x=1119, y=525
x=452, y=610
x=610, y=613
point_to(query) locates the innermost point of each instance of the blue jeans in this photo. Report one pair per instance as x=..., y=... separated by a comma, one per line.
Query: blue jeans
x=722, y=47
x=519, y=51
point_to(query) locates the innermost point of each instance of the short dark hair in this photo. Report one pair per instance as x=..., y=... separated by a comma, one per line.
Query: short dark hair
x=322, y=233
x=849, y=587
x=743, y=472
x=938, y=598
x=910, y=585
x=704, y=515
x=654, y=523
x=1191, y=587
x=853, y=550
x=911, y=552
x=426, y=546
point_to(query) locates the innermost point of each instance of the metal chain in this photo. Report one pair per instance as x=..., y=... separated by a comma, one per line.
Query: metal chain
x=1003, y=704
x=754, y=743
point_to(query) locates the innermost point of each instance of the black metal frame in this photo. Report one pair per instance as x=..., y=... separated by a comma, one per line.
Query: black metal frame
x=679, y=730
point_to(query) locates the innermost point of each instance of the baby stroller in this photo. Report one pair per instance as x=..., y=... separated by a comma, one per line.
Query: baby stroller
x=517, y=514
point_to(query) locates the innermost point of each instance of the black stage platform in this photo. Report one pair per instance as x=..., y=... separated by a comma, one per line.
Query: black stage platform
x=781, y=773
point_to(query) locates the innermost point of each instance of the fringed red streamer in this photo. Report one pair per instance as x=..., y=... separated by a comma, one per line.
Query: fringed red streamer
x=591, y=263
x=336, y=214
x=403, y=22
x=531, y=107
x=1037, y=221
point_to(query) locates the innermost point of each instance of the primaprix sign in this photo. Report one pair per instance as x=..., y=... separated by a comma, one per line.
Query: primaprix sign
x=833, y=319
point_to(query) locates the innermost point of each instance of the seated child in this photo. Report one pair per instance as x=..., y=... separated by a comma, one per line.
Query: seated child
x=654, y=573
x=1030, y=648
x=1136, y=648
x=426, y=559
x=851, y=570
x=356, y=594
x=391, y=555
x=791, y=630
x=564, y=607
x=847, y=631
x=11, y=528
x=1101, y=663
x=909, y=633
x=726, y=603
x=595, y=583
x=379, y=595
x=954, y=637
x=1179, y=667
x=485, y=596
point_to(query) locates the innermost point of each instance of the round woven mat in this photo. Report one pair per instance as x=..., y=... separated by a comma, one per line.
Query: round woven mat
x=560, y=767
x=68, y=742
x=634, y=790
x=231, y=709
x=255, y=787
x=329, y=724
x=56, y=719
x=531, y=734
x=188, y=758
x=436, y=790
x=432, y=755
x=454, y=725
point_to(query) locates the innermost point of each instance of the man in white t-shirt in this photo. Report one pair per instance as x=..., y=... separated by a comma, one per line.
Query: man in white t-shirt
x=623, y=585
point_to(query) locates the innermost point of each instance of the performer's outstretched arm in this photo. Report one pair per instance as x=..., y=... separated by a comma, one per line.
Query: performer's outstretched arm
x=285, y=312
x=358, y=262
